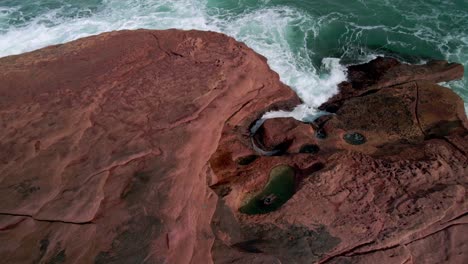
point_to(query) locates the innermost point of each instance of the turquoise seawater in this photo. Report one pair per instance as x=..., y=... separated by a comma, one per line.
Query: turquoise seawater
x=306, y=41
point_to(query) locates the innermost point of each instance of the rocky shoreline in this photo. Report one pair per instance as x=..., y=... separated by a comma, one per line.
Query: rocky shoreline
x=136, y=147
x=381, y=180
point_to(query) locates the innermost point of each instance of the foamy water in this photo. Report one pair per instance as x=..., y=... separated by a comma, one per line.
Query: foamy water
x=306, y=42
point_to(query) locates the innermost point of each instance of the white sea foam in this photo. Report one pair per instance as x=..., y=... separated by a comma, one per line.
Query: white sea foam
x=280, y=33
x=268, y=31
x=313, y=92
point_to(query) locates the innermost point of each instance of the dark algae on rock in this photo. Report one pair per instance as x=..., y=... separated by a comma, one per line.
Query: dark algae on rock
x=278, y=190
x=309, y=148
x=354, y=138
x=246, y=160
x=290, y=243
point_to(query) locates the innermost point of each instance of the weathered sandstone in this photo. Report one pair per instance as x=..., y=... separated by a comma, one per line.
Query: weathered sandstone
x=136, y=147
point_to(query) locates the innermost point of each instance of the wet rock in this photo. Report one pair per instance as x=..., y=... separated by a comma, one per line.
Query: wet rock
x=321, y=134
x=381, y=179
x=440, y=111
x=279, y=188
x=354, y=138
x=246, y=160
x=312, y=149
x=284, y=134
x=386, y=72
x=395, y=117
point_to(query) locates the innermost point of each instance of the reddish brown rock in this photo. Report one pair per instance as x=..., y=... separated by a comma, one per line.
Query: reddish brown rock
x=387, y=195
x=105, y=144
x=136, y=147
x=445, y=246
x=359, y=205
x=396, y=116
x=386, y=72
x=284, y=134
x=440, y=111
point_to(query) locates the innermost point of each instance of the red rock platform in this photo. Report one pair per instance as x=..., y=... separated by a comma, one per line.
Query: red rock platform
x=135, y=147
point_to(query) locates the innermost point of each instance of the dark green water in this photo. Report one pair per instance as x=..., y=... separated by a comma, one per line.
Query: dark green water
x=305, y=41
x=279, y=189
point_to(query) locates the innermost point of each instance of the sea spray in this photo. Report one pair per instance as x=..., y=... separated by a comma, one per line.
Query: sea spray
x=306, y=42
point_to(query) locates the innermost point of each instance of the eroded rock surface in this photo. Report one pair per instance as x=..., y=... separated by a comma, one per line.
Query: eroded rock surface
x=105, y=143
x=384, y=180
x=136, y=147
x=386, y=72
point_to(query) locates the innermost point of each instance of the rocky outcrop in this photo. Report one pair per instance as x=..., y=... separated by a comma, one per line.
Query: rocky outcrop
x=105, y=144
x=138, y=147
x=381, y=180
x=387, y=72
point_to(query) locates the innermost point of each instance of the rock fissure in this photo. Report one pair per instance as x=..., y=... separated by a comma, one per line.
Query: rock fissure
x=47, y=220
x=416, y=109
x=329, y=258
x=455, y=146
x=159, y=45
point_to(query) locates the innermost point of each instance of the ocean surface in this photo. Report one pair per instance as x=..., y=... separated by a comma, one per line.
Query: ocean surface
x=308, y=42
